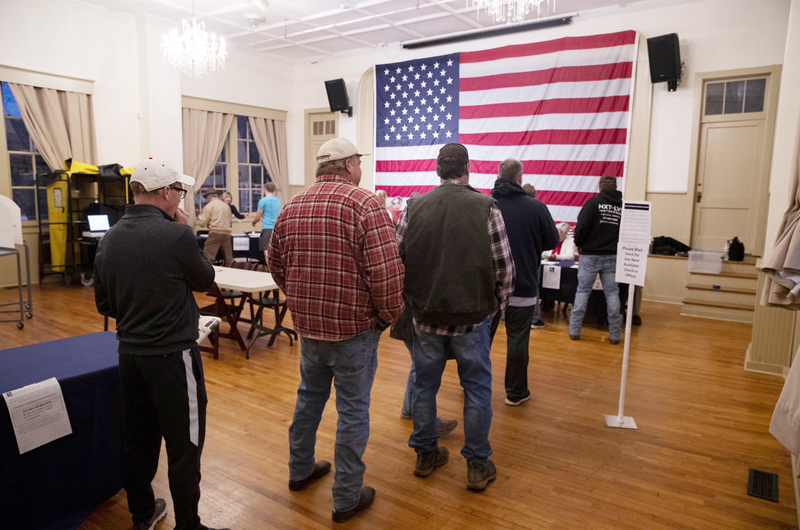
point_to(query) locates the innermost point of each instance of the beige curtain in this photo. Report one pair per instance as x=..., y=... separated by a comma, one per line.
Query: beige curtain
x=61, y=124
x=270, y=137
x=782, y=266
x=204, y=135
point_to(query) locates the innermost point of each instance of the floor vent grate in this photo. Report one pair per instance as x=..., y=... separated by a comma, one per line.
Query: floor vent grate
x=763, y=485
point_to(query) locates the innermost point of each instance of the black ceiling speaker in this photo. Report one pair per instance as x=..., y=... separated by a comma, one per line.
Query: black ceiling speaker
x=665, y=60
x=337, y=96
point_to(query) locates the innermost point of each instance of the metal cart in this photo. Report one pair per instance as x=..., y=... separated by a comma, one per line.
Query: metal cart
x=25, y=307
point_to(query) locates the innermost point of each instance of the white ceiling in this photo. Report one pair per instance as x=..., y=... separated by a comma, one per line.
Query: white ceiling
x=310, y=30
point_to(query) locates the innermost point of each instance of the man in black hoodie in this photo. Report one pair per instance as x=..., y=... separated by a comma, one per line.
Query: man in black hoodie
x=596, y=237
x=530, y=230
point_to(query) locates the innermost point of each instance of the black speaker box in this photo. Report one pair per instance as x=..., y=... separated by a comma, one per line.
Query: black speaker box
x=665, y=58
x=337, y=95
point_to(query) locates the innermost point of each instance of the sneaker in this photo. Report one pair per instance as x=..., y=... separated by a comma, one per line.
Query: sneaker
x=367, y=496
x=518, y=402
x=574, y=337
x=445, y=427
x=427, y=461
x=321, y=469
x=404, y=414
x=613, y=341
x=537, y=325
x=480, y=475
x=159, y=512
x=636, y=320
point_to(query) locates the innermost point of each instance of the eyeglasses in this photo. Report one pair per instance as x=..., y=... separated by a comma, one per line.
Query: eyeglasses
x=182, y=190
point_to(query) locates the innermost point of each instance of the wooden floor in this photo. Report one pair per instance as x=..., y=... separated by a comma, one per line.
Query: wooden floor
x=702, y=421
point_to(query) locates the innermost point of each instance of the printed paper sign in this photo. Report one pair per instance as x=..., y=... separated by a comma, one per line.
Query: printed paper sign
x=551, y=277
x=241, y=243
x=634, y=242
x=38, y=414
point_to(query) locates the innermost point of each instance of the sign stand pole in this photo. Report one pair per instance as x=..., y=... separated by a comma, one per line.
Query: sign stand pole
x=620, y=420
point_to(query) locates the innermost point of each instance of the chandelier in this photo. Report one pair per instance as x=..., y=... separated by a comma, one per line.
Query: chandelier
x=512, y=10
x=194, y=52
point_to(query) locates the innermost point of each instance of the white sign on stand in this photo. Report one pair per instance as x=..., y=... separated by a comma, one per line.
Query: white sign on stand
x=634, y=243
x=551, y=277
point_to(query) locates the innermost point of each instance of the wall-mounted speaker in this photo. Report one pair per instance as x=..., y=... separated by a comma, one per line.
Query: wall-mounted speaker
x=337, y=96
x=665, y=60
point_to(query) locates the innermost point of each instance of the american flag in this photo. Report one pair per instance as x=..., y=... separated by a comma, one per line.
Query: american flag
x=561, y=107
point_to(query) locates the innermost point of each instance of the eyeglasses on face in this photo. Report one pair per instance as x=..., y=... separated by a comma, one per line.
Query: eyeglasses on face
x=183, y=191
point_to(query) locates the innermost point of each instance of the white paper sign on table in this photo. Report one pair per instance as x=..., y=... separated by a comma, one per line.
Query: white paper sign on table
x=38, y=414
x=551, y=277
x=634, y=242
x=241, y=243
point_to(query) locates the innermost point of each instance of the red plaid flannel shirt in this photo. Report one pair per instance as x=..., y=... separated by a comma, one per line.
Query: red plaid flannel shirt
x=333, y=252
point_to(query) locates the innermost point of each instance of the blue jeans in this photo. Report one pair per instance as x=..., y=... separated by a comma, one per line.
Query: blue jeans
x=471, y=352
x=588, y=268
x=408, y=397
x=351, y=365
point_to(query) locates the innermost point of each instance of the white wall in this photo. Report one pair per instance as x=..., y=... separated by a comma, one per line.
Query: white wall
x=715, y=35
x=58, y=39
x=787, y=135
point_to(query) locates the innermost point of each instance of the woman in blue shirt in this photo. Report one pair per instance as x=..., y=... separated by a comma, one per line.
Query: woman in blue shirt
x=268, y=209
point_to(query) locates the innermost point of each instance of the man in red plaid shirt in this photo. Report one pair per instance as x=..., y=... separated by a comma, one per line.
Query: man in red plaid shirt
x=333, y=252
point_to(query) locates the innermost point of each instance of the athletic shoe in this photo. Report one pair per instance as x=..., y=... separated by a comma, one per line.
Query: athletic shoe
x=480, y=475
x=321, y=469
x=636, y=320
x=518, y=402
x=574, y=337
x=404, y=414
x=367, y=496
x=613, y=341
x=537, y=325
x=160, y=511
x=427, y=461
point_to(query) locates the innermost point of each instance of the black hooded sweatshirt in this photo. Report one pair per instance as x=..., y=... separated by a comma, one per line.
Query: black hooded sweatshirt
x=597, y=232
x=530, y=230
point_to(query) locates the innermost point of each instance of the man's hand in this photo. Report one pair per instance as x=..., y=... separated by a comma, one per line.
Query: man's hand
x=181, y=216
x=255, y=221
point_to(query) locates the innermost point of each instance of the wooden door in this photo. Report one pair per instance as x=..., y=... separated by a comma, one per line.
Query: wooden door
x=321, y=126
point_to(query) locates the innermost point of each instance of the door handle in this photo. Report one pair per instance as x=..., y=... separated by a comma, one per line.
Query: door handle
x=699, y=196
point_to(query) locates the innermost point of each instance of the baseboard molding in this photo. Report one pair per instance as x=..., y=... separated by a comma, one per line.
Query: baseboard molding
x=717, y=313
x=676, y=300
x=764, y=368
x=796, y=489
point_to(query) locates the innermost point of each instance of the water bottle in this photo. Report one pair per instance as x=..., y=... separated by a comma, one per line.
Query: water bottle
x=726, y=250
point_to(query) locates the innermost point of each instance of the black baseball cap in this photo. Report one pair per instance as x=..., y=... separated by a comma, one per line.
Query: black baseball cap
x=454, y=150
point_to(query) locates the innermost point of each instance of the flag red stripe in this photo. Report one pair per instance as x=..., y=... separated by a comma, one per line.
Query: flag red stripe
x=566, y=74
x=552, y=46
x=554, y=198
x=530, y=167
x=547, y=106
x=547, y=137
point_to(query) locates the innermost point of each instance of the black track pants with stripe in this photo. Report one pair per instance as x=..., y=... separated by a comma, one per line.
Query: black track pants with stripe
x=163, y=396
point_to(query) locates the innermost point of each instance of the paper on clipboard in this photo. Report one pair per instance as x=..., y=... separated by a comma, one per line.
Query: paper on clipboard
x=38, y=414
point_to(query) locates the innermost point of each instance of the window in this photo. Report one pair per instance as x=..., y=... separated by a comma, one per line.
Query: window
x=24, y=160
x=216, y=180
x=735, y=97
x=252, y=173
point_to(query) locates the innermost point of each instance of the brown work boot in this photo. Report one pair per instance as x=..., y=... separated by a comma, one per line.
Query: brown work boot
x=321, y=469
x=480, y=475
x=367, y=496
x=427, y=461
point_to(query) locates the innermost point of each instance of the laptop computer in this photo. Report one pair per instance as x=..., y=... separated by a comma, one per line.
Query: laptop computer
x=98, y=226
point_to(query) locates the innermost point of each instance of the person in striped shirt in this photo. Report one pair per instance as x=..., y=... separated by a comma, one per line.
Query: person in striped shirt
x=333, y=253
x=459, y=272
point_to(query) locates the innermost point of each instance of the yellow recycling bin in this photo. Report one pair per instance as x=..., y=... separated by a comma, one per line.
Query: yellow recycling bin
x=57, y=203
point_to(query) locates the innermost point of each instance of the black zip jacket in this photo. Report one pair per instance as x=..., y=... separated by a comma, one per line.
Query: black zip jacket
x=597, y=232
x=530, y=230
x=145, y=270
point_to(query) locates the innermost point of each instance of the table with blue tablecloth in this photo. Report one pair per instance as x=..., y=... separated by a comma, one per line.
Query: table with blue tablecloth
x=596, y=308
x=57, y=485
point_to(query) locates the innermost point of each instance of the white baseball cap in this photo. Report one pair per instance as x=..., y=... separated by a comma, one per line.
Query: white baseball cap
x=337, y=149
x=154, y=174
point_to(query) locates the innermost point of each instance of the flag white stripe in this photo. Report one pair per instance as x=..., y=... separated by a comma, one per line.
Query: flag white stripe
x=576, y=183
x=526, y=94
x=564, y=213
x=545, y=122
x=567, y=152
x=531, y=63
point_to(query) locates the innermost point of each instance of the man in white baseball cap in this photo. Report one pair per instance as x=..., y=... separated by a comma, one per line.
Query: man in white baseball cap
x=341, y=149
x=146, y=268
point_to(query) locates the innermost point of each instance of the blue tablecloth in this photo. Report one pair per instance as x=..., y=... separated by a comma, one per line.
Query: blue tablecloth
x=57, y=485
x=251, y=253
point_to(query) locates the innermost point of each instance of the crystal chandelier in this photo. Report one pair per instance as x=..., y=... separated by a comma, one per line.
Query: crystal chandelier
x=512, y=10
x=194, y=52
